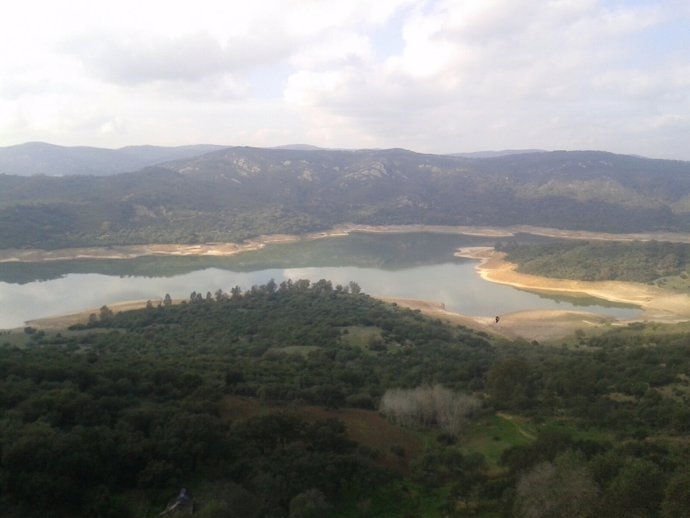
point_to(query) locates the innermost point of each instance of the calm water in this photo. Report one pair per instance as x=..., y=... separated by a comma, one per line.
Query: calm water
x=418, y=266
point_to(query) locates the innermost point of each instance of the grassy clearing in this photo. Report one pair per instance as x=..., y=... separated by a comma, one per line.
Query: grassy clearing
x=577, y=433
x=302, y=350
x=492, y=435
x=360, y=336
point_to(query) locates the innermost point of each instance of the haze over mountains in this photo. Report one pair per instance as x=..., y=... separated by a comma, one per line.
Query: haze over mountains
x=238, y=192
x=48, y=159
x=41, y=158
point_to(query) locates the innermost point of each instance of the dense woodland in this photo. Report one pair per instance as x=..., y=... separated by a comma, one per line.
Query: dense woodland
x=601, y=261
x=112, y=418
x=237, y=193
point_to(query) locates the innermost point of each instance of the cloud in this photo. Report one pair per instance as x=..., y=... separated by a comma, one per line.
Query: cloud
x=136, y=60
x=431, y=75
x=529, y=73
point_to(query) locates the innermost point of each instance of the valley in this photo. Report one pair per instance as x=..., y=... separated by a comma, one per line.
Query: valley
x=327, y=259
x=245, y=321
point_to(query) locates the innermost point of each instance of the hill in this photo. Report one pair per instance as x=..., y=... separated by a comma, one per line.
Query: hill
x=235, y=193
x=225, y=394
x=494, y=154
x=35, y=158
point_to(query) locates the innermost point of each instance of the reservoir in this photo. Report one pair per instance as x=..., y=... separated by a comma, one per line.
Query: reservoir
x=416, y=266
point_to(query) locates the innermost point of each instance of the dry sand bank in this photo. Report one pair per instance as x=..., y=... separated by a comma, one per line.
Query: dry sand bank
x=531, y=325
x=658, y=304
x=227, y=249
x=81, y=317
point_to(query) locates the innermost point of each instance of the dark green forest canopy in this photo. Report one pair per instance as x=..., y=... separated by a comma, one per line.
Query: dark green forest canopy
x=236, y=193
x=127, y=409
x=601, y=261
x=133, y=404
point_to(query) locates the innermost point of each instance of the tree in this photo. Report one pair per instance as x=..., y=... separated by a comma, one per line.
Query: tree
x=677, y=496
x=637, y=490
x=427, y=406
x=311, y=503
x=105, y=314
x=562, y=489
x=271, y=286
x=509, y=383
x=167, y=300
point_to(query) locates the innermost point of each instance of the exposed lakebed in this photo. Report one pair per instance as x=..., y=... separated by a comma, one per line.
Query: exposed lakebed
x=416, y=265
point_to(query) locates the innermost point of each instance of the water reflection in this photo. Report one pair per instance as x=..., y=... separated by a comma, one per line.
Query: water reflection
x=454, y=284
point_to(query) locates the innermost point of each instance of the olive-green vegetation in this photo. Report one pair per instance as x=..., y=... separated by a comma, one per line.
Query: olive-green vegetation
x=220, y=395
x=639, y=261
x=236, y=193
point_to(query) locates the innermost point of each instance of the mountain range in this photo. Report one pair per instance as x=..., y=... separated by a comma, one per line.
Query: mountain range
x=39, y=158
x=238, y=192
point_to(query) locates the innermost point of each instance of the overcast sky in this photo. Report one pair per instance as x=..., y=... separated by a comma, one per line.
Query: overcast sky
x=431, y=76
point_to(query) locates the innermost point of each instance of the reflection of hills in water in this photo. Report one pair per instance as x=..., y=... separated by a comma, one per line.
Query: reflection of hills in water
x=396, y=266
x=383, y=251
x=583, y=301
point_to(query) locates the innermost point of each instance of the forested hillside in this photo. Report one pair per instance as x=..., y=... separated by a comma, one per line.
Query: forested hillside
x=235, y=193
x=226, y=395
x=599, y=261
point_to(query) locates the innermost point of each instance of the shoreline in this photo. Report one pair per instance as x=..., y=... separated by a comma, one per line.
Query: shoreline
x=528, y=324
x=656, y=303
x=15, y=255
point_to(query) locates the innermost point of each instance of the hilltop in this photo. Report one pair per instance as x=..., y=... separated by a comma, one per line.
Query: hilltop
x=235, y=193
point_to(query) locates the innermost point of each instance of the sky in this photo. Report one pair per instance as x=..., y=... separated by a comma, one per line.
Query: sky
x=431, y=76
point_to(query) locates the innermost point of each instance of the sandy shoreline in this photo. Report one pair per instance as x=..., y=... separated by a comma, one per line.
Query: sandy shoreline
x=227, y=249
x=657, y=304
x=530, y=325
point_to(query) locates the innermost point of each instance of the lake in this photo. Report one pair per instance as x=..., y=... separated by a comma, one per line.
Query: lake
x=419, y=266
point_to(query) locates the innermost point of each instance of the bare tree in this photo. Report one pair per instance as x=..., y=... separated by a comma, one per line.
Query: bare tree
x=428, y=406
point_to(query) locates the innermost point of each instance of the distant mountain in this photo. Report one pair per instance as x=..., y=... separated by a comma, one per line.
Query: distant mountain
x=35, y=158
x=494, y=154
x=298, y=147
x=239, y=192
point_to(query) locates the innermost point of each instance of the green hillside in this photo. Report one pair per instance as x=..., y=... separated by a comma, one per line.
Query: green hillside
x=235, y=193
x=263, y=404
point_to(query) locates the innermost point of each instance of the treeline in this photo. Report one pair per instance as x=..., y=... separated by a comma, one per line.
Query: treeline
x=243, y=192
x=600, y=261
x=113, y=418
x=121, y=414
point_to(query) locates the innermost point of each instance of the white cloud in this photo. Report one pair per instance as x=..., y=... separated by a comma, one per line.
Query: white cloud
x=431, y=75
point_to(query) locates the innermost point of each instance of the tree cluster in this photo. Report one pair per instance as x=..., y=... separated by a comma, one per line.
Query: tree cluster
x=428, y=406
